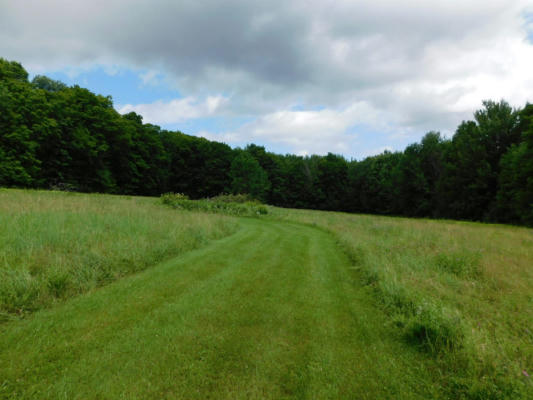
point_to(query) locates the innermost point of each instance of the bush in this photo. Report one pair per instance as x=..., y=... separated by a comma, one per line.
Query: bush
x=222, y=204
x=171, y=198
x=234, y=198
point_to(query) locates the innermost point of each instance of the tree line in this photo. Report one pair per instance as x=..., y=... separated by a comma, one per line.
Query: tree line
x=56, y=136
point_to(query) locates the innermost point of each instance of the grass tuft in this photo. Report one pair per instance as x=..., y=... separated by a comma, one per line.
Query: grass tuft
x=435, y=329
x=466, y=263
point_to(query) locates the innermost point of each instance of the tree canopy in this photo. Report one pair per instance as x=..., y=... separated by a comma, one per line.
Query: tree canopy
x=56, y=136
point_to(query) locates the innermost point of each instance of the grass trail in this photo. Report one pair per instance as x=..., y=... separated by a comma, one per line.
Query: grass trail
x=269, y=312
x=449, y=282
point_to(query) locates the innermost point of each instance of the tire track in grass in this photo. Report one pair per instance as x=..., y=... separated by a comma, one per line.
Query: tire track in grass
x=270, y=312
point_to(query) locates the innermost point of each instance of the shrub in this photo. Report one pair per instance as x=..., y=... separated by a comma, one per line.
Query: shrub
x=220, y=204
x=170, y=198
x=234, y=198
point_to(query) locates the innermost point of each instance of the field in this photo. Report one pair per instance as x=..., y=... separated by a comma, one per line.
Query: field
x=55, y=245
x=291, y=304
x=461, y=291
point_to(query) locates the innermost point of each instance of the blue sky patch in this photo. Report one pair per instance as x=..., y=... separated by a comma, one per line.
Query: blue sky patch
x=124, y=85
x=528, y=18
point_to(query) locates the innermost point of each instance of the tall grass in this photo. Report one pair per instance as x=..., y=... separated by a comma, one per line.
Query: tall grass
x=462, y=291
x=54, y=245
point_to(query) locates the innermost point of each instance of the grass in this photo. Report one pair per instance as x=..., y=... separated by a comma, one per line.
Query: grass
x=295, y=304
x=271, y=312
x=461, y=291
x=55, y=245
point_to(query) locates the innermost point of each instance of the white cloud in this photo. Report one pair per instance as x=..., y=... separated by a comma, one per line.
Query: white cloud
x=150, y=77
x=176, y=110
x=306, y=132
x=415, y=66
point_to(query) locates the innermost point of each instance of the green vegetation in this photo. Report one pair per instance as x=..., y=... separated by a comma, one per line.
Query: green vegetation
x=273, y=311
x=294, y=304
x=247, y=176
x=55, y=245
x=55, y=136
x=237, y=205
x=460, y=291
x=290, y=305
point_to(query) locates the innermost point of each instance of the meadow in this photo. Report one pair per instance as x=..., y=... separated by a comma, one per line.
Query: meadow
x=459, y=290
x=55, y=245
x=277, y=303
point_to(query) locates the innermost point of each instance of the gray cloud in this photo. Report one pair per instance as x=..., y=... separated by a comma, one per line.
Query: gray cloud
x=421, y=65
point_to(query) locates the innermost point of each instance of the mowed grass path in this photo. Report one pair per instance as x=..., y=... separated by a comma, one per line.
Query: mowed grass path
x=272, y=311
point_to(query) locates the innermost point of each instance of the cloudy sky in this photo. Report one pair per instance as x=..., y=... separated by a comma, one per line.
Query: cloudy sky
x=351, y=77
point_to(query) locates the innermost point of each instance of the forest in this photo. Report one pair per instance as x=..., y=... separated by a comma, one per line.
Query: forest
x=67, y=138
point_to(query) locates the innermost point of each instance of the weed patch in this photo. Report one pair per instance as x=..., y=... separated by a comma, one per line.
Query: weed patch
x=235, y=205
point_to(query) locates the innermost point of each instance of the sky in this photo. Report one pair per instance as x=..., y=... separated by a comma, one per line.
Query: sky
x=304, y=77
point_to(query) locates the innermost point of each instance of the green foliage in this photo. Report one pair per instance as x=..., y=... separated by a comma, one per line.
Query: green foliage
x=221, y=205
x=19, y=107
x=54, y=136
x=248, y=177
x=12, y=70
x=372, y=183
x=515, y=197
x=45, y=83
x=417, y=176
x=234, y=198
x=332, y=181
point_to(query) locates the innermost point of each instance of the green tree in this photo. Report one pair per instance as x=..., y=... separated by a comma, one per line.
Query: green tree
x=271, y=163
x=465, y=183
x=248, y=177
x=373, y=183
x=418, y=174
x=19, y=108
x=332, y=182
x=45, y=83
x=12, y=70
x=515, y=197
